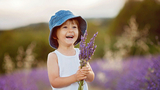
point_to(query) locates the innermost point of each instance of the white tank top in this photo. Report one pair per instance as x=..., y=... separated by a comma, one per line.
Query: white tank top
x=68, y=65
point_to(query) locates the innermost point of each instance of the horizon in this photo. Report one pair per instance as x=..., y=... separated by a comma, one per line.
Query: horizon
x=33, y=24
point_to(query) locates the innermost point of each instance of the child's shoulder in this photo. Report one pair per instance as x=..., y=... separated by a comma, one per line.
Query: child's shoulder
x=52, y=56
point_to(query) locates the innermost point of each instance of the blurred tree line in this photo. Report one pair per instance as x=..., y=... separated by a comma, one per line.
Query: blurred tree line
x=12, y=40
x=147, y=12
x=147, y=15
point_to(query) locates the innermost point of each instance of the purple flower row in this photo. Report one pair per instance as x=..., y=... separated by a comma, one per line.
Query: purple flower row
x=138, y=73
x=36, y=79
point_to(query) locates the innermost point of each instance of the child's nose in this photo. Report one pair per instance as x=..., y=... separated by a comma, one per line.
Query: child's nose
x=70, y=29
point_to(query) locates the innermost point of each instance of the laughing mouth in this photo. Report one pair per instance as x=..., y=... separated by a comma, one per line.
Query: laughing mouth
x=69, y=37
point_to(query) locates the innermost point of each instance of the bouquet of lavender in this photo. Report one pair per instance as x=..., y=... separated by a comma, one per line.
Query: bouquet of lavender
x=85, y=53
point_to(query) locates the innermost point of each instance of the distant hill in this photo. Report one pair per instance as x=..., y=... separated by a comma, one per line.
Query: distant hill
x=147, y=12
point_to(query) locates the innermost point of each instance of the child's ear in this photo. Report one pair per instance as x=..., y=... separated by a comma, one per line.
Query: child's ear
x=54, y=37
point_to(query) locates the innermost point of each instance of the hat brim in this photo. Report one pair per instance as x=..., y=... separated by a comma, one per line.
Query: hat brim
x=82, y=24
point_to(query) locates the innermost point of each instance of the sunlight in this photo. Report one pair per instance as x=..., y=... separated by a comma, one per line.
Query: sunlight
x=40, y=10
x=82, y=3
x=16, y=4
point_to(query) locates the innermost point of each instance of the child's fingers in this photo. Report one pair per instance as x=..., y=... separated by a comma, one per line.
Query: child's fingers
x=86, y=69
x=84, y=73
x=81, y=77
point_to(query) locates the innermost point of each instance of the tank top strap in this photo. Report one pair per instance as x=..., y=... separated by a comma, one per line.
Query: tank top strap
x=60, y=54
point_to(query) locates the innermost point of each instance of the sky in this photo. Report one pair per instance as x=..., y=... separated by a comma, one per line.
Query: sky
x=17, y=13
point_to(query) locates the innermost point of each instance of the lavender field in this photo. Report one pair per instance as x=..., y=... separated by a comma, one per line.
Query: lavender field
x=36, y=79
x=134, y=73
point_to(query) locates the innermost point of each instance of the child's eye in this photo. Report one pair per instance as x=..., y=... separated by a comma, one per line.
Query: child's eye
x=64, y=26
x=74, y=26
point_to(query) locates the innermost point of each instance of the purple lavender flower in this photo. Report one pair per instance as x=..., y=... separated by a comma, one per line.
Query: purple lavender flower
x=86, y=52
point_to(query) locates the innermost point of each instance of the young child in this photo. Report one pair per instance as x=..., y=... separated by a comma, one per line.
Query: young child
x=63, y=63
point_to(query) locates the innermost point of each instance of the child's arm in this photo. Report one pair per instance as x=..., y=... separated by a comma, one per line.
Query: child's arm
x=87, y=70
x=53, y=73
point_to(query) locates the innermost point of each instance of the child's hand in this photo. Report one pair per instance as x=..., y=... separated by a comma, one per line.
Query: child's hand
x=86, y=73
x=85, y=70
x=80, y=75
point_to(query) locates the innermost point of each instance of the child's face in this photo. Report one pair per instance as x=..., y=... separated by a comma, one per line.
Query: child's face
x=67, y=34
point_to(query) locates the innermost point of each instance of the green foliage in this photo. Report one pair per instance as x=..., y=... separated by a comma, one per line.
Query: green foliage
x=132, y=42
x=99, y=25
x=11, y=40
x=147, y=12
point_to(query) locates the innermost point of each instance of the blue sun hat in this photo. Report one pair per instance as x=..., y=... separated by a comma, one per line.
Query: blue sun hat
x=59, y=18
